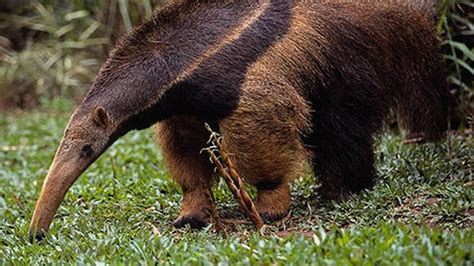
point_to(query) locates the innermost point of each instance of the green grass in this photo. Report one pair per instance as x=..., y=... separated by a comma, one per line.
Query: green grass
x=121, y=209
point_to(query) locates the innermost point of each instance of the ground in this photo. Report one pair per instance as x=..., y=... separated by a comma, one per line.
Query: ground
x=420, y=211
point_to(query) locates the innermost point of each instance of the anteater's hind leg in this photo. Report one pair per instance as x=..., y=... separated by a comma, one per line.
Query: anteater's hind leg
x=342, y=143
x=181, y=139
x=344, y=163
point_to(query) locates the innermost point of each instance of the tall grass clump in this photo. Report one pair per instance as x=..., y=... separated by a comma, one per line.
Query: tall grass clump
x=456, y=25
x=54, y=48
x=58, y=58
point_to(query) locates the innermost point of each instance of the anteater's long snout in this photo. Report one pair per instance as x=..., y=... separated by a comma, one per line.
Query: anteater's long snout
x=60, y=178
x=85, y=139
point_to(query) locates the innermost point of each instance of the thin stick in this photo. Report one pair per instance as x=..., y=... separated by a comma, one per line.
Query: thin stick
x=215, y=219
x=227, y=170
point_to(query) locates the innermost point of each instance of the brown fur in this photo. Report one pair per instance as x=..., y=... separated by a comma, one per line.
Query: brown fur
x=181, y=139
x=284, y=82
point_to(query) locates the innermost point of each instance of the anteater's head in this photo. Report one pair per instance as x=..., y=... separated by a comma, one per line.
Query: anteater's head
x=121, y=99
x=86, y=137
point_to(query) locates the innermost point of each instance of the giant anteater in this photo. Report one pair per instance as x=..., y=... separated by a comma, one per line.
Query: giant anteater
x=284, y=81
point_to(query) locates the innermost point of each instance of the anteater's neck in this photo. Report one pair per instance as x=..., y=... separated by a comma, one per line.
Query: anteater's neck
x=187, y=59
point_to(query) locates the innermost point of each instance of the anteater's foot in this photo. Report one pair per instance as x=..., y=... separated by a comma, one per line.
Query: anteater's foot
x=195, y=220
x=195, y=210
x=328, y=193
x=38, y=236
x=273, y=202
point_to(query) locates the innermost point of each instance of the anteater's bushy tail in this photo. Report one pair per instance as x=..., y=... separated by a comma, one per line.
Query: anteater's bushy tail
x=424, y=107
x=428, y=7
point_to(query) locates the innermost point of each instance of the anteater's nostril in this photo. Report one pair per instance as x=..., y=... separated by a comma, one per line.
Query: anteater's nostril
x=87, y=150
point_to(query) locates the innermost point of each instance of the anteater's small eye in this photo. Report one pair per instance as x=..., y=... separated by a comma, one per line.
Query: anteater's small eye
x=86, y=150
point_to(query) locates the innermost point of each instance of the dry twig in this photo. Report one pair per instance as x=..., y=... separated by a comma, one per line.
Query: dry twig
x=215, y=219
x=227, y=170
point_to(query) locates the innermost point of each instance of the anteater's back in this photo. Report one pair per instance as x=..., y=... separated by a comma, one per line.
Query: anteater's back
x=381, y=52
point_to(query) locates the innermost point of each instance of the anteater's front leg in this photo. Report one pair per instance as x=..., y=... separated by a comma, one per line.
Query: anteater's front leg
x=263, y=136
x=273, y=199
x=181, y=139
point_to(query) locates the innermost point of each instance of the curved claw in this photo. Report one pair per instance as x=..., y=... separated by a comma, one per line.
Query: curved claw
x=37, y=237
x=195, y=222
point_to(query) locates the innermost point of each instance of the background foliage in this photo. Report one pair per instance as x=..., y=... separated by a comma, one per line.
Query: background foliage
x=51, y=48
x=456, y=25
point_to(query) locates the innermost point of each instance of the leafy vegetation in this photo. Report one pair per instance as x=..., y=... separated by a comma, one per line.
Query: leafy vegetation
x=54, y=48
x=121, y=209
x=62, y=62
x=457, y=27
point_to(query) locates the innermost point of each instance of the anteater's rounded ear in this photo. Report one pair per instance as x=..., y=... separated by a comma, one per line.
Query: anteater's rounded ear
x=100, y=117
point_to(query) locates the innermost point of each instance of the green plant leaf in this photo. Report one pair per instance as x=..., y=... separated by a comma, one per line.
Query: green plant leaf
x=89, y=31
x=460, y=62
x=76, y=15
x=124, y=11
